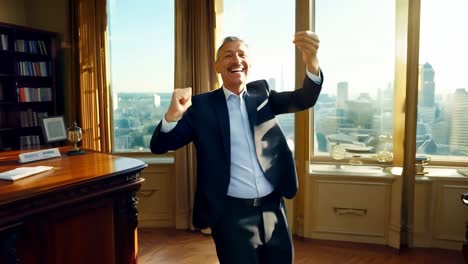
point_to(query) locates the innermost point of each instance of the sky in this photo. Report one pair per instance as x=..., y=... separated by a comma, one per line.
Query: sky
x=444, y=42
x=357, y=42
x=268, y=34
x=142, y=45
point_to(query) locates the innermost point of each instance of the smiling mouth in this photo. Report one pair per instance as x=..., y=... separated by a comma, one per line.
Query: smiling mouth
x=235, y=70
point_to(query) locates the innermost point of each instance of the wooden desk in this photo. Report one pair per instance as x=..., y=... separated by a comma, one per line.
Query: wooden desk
x=82, y=211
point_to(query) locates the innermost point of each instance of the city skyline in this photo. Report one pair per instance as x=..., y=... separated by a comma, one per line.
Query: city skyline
x=130, y=65
x=357, y=123
x=362, y=59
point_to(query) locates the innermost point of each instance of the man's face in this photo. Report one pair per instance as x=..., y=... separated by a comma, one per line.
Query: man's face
x=233, y=65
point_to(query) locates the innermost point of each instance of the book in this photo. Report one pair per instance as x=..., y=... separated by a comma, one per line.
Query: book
x=21, y=172
x=3, y=42
x=1, y=91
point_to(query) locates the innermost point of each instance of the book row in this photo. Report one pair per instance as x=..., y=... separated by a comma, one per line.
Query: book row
x=3, y=42
x=37, y=68
x=25, y=118
x=31, y=46
x=27, y=46
x=39, y=94
x=30, y=142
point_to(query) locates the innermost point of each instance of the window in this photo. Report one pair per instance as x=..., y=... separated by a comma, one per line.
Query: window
x=141, y=37
x=269, y=36
x=357, y=56
x=442, y=128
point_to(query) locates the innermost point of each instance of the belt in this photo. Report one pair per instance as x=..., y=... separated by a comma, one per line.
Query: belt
x=254, y=202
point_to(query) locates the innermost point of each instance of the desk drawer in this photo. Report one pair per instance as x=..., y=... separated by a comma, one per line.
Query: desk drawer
x=156, y=196
x=348, y=207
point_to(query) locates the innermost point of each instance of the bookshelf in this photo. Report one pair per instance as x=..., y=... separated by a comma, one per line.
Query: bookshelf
x=27, y=85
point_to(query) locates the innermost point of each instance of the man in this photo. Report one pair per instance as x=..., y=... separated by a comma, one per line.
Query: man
x=244, y=165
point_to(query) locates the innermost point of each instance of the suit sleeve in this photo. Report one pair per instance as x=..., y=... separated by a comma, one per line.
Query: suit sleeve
x=298, y=100
x=179, y=136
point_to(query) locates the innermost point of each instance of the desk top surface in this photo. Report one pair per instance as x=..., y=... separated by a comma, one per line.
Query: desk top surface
x=68, y=171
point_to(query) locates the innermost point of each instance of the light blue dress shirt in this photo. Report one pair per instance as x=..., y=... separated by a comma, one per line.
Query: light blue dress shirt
x=247, y=177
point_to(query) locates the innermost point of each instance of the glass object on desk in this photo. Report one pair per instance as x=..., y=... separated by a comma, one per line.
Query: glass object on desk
x=337, y=152
x=385, y=155
x=74, y=135
x=421, y=161
x=355, y=160
x=464, y=172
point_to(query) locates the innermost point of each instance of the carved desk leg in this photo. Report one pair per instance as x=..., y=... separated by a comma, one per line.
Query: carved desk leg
x=126, y=223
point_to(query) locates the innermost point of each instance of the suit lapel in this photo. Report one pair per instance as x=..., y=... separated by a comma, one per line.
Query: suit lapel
x=222, y=115
x=251, y=104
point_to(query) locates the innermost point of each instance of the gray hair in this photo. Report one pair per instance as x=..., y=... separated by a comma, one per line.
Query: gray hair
x=229, y=40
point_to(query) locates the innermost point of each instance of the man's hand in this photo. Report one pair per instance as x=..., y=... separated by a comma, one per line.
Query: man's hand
x=180, y=101
x=308, y=43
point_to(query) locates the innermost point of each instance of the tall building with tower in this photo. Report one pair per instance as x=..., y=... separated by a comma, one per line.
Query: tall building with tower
x=459, y=130
x=426, y=85
x=341, y=98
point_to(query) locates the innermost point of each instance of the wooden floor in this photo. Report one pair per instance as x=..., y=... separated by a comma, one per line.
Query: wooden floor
x=169, y=246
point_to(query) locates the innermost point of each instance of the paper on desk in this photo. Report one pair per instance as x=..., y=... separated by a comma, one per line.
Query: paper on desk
x=22, y=172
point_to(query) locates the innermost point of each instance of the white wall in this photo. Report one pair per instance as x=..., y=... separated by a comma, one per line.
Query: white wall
x=13, y=12
x=50, y=15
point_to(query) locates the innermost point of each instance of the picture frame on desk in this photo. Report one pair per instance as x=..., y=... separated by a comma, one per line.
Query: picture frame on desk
x=53, y=129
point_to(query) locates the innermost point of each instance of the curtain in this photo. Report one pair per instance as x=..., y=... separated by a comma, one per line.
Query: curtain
x=71, y=70
x=94, y=94
x=194, y=67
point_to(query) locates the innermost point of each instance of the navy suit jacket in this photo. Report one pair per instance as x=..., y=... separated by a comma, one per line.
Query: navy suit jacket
x=206, y=124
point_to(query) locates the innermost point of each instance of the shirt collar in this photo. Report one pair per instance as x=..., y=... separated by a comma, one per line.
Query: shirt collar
x=228, y=93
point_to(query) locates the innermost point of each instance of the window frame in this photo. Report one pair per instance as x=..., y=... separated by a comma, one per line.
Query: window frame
x=405, y=89
x=125, y=152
